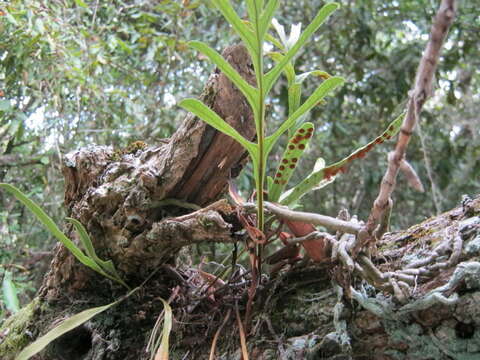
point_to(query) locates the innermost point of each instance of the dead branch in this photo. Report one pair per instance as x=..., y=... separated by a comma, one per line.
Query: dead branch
x=311, y=218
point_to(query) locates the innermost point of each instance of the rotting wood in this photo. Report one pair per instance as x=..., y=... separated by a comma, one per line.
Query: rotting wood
x=116, y=194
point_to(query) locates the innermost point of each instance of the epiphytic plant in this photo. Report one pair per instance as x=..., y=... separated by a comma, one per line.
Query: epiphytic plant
x=89, y=257
x=253, y=34
x=300, y=134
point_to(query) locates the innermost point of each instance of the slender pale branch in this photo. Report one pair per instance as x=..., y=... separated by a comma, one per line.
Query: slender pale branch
x=421, y=91
x=316, y=235
x=311, y=218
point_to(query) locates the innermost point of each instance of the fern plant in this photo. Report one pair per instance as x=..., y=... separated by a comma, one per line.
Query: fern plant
x=253, y=34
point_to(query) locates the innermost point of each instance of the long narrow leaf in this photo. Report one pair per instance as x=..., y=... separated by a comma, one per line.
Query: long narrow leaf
x=53, y=229
x=47, y=222
x=254, y=7
x=245, y=34
x=107, y=265
x=322, y=15
x=87, y=243
x=9, y=290
x=267, y=15
x=322, y=91
x=290, y=158
x=65, y=326
x=211, y=118
x=249, y=91
x=268, y=37
x=328, y=173
x=162, y=353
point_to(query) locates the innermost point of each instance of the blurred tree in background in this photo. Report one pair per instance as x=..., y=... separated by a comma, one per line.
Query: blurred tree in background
x=80, y=72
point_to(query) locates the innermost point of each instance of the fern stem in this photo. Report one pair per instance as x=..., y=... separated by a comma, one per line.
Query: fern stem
x=260, y=123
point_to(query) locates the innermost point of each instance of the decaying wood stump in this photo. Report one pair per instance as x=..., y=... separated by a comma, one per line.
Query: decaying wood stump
x=144, y=204
x=122, y=197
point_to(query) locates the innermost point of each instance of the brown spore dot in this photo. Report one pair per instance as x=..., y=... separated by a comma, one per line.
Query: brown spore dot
x=361, y=154
x=276, y=182
x=291, y=147
x=310, y=129
x=369, y=147
x=295, y=141
x=301, y=146
x=284, y=182
x=285, y=161
x=299, y=137
x=388, y=137
x=292, y=166
x=281, y=167
x=391, y=127
x=294, y=160
x=301, y=131
x=278, y=175
x=308, y=136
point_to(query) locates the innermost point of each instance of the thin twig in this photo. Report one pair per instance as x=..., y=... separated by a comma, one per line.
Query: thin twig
x=215, y=338
x=312, y=236
x=311, y=218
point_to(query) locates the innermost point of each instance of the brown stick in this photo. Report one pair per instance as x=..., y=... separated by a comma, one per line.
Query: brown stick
x=421, y=91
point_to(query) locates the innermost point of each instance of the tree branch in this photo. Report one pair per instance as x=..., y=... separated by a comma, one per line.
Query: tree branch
x=421, y=91
x=311, y=218
x=13, y=160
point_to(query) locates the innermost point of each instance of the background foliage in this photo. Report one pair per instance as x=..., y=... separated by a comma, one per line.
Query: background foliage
x=78, y=72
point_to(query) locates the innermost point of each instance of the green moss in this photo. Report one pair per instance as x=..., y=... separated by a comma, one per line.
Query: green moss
x=15, y=329
x=132, y=148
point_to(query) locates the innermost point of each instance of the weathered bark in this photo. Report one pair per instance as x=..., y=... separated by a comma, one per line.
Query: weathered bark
x=306, y=311
x=123, y=197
